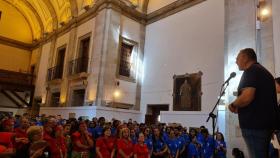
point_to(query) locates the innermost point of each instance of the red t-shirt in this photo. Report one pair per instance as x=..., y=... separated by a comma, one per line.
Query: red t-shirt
x=77, y=137
x=19, y=134
x=126, y=146
x=6, y=139
x=57, y=146
x=106, y=146
x=141, y=151
x=2, y=148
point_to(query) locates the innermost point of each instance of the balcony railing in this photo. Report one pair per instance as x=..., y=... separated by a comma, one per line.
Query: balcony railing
x=55, y=72
x=78, y=65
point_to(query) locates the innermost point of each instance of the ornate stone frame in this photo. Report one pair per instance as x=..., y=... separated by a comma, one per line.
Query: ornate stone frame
x=80, y=38
x=194, y=80
x=77, y=86
x=135, y=48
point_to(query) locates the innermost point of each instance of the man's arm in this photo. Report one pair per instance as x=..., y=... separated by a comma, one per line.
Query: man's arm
x=244, y=99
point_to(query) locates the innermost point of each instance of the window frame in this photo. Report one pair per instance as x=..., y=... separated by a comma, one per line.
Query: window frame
x=132, y=77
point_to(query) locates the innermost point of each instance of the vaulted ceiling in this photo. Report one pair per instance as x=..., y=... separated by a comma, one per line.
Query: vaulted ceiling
x=44, y=16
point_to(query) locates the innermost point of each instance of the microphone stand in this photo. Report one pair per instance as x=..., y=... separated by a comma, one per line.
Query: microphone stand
x=214, y=116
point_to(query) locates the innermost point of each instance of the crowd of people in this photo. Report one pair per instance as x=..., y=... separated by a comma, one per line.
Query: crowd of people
x=55, y=137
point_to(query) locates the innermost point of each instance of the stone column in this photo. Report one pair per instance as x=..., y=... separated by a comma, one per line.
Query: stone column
x=266, y=54
x=69, y=55
x=276, y=34
x=140, y=67
x=240, y=32
x=51, y=63
x=35, y=109
x=106, y=53
x=51, y=60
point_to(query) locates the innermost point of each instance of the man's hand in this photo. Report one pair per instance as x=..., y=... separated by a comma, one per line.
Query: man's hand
x=233, y=109
x=22, y=140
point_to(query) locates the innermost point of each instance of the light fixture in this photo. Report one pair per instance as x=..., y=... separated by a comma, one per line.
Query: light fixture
x=263, y=11
x=117, y=94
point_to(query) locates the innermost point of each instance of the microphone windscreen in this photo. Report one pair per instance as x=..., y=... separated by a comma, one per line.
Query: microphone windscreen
x=233, y=74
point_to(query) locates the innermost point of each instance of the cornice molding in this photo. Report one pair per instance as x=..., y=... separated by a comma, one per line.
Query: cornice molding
x=124, y=9
x=171, y=9
x=16, y=44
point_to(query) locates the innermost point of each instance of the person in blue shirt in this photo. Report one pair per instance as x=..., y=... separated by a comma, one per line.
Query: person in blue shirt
x=187, y=141
x=192, y=134
x=98, y=131
x=181, y=141
x=147, y=133
x=172, y=144
x=199, y=135
x=220, y=146
x=114, y=128
x=186, y=135
x=208, y=144
x=38, y=121
x=194, y=149
x=165, y=133
x=133, y=137
x=159, y=146
x=91, y=128
x=149, y=144
x=148, y=139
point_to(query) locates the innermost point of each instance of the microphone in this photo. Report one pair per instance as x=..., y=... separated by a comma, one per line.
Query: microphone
x=232, y=75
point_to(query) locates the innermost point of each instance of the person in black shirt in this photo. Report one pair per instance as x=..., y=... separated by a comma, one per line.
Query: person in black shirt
x=277, y=83
x=256, y=104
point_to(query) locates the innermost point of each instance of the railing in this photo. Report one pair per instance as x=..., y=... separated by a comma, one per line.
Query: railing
x=7, y=76
x=55, y=72
x=78, y=65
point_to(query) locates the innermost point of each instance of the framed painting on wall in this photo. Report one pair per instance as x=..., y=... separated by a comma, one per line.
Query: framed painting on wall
x=187, y=92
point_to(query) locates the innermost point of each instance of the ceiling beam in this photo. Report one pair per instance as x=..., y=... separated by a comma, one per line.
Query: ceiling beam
x=74, y=8
x=35, y=13
x=145, y=6
x=53, y=13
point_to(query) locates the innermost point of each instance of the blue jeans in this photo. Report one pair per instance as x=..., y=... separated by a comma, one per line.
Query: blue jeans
x=257, y=141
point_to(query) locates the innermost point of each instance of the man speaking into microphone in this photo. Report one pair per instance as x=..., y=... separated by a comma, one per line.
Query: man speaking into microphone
x=256, y=104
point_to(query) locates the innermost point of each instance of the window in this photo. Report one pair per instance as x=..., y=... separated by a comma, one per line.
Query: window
x=127, y=60
x=78, y=97
x=60, y=62
x=80, y=64
x=56, y=72
x=55, y=99
x=84, y=48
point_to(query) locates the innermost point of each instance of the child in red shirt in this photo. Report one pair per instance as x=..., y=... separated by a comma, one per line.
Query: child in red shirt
x=105, y=146
x=124, y=144
x=140, y=149
x=82, y=141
